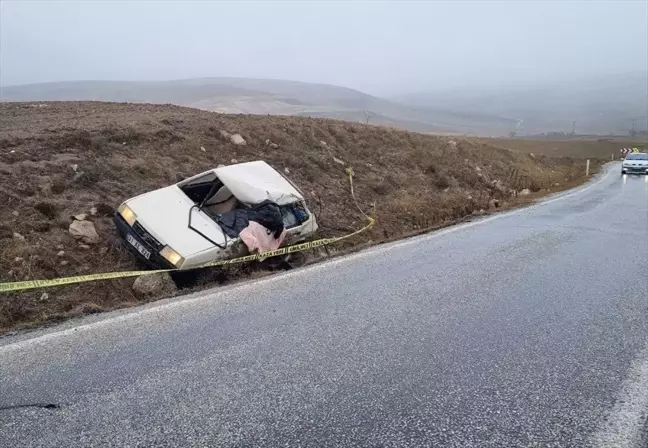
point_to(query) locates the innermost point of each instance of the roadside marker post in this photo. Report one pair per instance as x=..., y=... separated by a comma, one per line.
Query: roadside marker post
x=587, y=168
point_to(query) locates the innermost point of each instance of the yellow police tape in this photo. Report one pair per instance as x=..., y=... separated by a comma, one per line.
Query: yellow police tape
x=32, y=284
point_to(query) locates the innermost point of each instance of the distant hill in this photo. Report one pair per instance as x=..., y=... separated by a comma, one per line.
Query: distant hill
x=598, y=104
x=266, y=96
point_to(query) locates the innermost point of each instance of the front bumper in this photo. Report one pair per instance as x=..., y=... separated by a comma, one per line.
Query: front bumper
x=634, y=170
x=155, y=261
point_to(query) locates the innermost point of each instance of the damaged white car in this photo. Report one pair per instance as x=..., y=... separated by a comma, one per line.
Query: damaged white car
x=219, y=214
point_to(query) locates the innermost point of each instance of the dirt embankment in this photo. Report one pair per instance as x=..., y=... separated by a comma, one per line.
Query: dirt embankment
x=62, y=159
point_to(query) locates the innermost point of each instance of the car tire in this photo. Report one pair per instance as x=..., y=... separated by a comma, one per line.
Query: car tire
x=185, y=279
x=295, y=260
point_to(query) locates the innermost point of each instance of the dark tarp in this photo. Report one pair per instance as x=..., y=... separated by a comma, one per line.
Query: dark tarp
x=266, y=213
x=233, y=222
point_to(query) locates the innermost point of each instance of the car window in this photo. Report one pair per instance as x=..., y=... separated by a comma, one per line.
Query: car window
x=637, y=157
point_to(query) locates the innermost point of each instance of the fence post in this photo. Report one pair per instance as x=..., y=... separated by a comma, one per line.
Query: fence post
x=587, y=168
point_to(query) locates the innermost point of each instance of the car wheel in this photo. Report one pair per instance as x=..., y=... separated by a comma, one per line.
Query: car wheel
x=295, y=260
x=193, y=277
x=185, y=279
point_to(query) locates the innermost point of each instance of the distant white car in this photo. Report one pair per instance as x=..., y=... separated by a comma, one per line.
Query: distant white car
x=635, y=163
x=193, y=222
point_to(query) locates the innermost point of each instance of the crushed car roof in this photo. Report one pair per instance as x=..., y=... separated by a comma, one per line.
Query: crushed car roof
x=254, y=182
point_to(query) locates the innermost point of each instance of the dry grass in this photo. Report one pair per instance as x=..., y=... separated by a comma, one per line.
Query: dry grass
x=411, y=182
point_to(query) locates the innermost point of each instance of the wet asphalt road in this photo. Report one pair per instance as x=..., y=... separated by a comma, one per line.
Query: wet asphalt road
x=523, y=330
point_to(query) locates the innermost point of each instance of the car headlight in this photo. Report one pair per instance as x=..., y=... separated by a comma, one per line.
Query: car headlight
x=128, y=214
x=172, y=256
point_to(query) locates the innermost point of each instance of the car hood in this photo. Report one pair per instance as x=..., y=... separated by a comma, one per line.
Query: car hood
x=164, y=213
x=254, y=182
x=636, y=162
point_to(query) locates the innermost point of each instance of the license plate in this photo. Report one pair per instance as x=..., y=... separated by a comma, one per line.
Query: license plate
x=136, y=244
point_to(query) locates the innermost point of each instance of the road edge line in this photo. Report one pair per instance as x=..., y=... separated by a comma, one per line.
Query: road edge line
x=624, y=423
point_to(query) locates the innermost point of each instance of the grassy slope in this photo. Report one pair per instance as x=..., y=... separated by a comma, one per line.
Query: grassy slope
x=410, y=182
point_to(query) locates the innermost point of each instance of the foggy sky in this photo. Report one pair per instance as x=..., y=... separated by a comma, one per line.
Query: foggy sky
x=377, y=47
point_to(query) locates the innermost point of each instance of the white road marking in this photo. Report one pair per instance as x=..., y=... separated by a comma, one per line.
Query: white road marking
x=213, y=294
x=626, y=421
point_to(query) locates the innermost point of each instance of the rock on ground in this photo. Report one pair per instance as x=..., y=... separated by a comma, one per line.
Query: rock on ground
x=271, y=144
x=154, y=285
x=237, y=139
x=84, y=231
x=525, y=192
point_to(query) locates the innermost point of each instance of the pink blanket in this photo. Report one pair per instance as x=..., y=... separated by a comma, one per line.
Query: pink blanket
x=258, y=238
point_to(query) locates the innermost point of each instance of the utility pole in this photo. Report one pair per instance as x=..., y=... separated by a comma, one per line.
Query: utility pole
x=573, y=127
x=633, y=132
